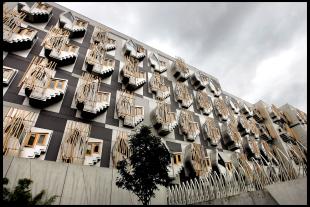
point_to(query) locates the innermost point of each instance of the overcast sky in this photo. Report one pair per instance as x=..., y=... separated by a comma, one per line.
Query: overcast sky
x=258, y=51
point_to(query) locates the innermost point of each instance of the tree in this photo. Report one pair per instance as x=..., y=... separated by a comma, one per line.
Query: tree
x=21, y=195
x=146, y=167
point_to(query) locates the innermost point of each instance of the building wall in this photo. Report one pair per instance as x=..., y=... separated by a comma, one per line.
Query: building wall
x=104, y=127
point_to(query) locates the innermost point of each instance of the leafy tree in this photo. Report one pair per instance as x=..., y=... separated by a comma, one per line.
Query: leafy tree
x=21, y=195
x=146, y=167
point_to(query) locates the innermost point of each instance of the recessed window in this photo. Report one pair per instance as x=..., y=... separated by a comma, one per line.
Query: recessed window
x=41, y=138
x=52, y=84
x=31, y=140
x=179, y=158
x=59, y=84
x=96, y=148
x=174, y=160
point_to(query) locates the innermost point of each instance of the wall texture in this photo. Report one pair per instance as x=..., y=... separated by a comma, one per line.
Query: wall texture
x=74, y=184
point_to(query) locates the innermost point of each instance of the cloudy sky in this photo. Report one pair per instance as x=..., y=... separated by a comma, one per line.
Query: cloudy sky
x=258, y=51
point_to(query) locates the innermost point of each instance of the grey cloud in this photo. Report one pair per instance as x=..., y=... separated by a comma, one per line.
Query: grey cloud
x=227, y=40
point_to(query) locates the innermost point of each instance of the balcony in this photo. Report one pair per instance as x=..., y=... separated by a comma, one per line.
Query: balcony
x=158, y=86
x=126, y=110
x=182, y=95
x=89, y=99
x=246, y=110
x=97, y=61
x=74, y=143
x=257, y=116
x=215, y=88
x=15, y=37
x=57, y=49
x=163, y=119
x=221, y=109
x=232, y=138
x=40, y=85
x=121, y=148
x=8, y=75
x=275, y=114
x=212, y=132
x=234, y=105
x=252, y=148
x=265, y=150
x=17, y=126
x=93, y=152
x=199, y=80
x=302, y=116
x=188, y=126
x=101, y=35
x=76, y=27
x=36, y=12
x=204, y=103
x=253, y=128
x=180, y=70
x=195, y=157
x=243, y=125
x=157, y=64
x=133, y=78
x=264, y=132
x=131, y=49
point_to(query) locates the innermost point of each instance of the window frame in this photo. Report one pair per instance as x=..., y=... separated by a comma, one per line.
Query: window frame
x=37, y=136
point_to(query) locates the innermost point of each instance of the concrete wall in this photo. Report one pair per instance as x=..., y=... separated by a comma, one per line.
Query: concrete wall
x=74, y=184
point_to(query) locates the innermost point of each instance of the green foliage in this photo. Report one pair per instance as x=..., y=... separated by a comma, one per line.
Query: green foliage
x=148, y=166
x=21, y=195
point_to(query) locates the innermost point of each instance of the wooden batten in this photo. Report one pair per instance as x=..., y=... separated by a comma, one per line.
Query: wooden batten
x=17, y=122
x=213, y=132
x=56, y=39
x=221, y=107
x=181, y=66
x=203, y=100
x=11, y=21
x=38, y=73
x=121, y=148
x=74, y=142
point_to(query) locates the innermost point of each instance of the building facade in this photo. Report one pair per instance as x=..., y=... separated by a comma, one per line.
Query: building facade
x=74, y=91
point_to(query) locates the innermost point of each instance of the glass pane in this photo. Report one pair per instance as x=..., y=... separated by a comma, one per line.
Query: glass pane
x=59, y=84
x=31, y=139
x=52, y=84
x=174, y=160
x=41, y=138
x=96, y=149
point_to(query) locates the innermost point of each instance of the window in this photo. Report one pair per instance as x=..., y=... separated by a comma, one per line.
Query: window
x=179, y=158
x=52, y=84
x=41, y=138
x=31, y=140
x=59, y=84
x=96, y=148
x=36, y=138
x=208, y=162
x=174, y=160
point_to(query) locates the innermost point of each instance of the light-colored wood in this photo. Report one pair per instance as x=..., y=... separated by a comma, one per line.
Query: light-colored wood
x=221, y=107
x=121, y=148
x=56, y=39
x=74, y=142
x=11, y=21
x=16, y=123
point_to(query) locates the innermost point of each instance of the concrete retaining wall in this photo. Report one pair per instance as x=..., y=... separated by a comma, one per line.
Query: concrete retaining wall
x=74, y=184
